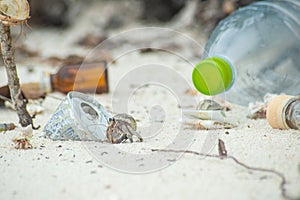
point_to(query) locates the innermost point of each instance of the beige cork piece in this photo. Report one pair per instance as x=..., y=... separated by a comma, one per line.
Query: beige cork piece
x=275, y=112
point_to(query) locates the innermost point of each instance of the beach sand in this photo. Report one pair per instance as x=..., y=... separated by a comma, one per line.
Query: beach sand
x=96, y=170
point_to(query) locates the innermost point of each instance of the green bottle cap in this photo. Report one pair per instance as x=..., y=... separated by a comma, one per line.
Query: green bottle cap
x=213, y=76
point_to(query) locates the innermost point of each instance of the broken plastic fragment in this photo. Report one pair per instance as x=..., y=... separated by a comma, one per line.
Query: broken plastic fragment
x=210, y=125
x=78, y=117
x=215, y=115
x=208, y=104
x=258, y=110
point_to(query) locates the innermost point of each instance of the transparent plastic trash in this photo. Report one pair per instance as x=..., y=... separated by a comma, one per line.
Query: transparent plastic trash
x=78, y=117
x=252, y=52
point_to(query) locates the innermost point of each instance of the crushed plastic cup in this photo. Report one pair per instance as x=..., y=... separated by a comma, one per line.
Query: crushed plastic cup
x=78, y=117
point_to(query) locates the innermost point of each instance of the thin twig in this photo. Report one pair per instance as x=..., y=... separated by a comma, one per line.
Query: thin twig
x=17, y=97
x=222, y=149
x=280, y=175
x=5, y=99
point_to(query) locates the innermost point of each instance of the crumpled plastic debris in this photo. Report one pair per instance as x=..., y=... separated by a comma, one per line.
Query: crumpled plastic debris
x=210, y=125
x=210, y=114
x=78, y=117
x=208, y=104
x=258, y=110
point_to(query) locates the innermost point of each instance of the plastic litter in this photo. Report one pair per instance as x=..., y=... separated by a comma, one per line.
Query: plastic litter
x=252, y=52
x=209, y=114
x=258, y=110
x=78, y=117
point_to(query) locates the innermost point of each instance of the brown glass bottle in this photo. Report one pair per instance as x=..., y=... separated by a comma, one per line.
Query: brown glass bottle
x=86, y=78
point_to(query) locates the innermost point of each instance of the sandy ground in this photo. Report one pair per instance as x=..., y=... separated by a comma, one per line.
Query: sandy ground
x=94, y=170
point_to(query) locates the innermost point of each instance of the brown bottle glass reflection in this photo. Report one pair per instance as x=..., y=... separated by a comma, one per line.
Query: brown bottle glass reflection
x=88, y=78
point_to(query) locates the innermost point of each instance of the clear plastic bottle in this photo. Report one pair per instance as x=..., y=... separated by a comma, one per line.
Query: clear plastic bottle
x=254, y=51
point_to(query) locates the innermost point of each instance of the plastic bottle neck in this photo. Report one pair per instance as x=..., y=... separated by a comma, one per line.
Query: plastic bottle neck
x=213, y=76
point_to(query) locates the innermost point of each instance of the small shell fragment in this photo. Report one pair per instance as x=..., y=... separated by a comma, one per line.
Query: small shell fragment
x=127, y=118
x=208, y=104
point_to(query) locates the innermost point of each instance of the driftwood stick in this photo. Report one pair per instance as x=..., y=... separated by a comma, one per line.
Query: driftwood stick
x=18, y=99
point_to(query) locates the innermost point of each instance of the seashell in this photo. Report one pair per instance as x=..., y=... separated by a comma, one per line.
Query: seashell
x=14, y=11
x=126, y=118
x=208, y=104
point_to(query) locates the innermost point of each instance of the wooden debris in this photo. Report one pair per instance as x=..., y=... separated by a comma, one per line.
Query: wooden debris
x=30, y=91
x=12, y=13
x=69, y=60
x=8, y=57
x=100, y=56
x=222, y=149
x=283, y=181
x=91, y=40
x=25, y=52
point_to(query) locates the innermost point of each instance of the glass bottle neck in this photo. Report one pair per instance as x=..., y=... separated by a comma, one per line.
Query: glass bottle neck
x=292, y=113
x=45, y=82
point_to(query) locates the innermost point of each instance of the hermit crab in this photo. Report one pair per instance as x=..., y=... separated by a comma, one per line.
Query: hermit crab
x=120, y=128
